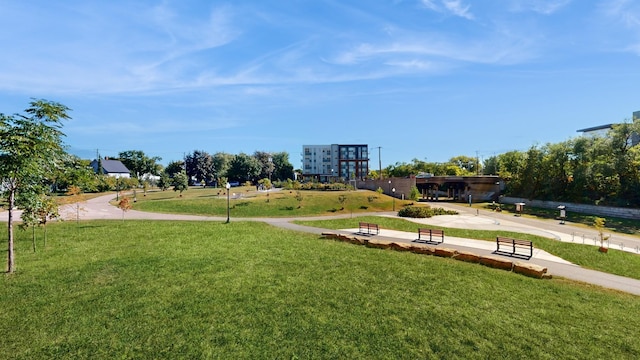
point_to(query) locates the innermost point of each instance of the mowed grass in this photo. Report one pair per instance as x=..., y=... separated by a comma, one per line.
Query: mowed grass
x=247, y=202
x=194, y=290
x=614, y=262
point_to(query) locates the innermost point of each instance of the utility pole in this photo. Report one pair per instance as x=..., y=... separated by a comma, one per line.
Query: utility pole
x=379, y=162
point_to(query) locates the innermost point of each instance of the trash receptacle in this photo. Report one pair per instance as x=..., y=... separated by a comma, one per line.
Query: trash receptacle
x=519, y=208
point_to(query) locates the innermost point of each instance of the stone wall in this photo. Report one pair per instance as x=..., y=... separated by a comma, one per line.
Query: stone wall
x=604, y=211
x=402, y=185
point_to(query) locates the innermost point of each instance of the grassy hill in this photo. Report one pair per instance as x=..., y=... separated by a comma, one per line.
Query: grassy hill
x=155, y=289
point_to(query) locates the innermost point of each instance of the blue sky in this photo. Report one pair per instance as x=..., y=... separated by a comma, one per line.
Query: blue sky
x=424, y=79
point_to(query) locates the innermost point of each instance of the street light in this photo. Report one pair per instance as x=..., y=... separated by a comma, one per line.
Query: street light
x=389, y=186
x=228, y=186
x=393, y=191
x=270, y=170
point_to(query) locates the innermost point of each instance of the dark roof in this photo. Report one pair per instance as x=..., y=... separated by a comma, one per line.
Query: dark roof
x=112, y=166
x=596, y=128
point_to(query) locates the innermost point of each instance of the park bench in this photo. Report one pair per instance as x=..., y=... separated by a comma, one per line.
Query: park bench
x=514, y=247
x=428, y=235
x=368, y=228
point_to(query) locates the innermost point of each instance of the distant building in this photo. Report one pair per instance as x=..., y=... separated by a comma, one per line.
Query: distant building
x=335, y=162
x=113, y=168
x=602, y=130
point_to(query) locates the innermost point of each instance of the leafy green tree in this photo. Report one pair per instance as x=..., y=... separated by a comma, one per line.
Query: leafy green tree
x=139, y=163
x=244, y=168
x=78, y=172
x=283, y=169
x=468, y=165
x=266, y=164
x=164, y=182
x=199, y=166
x=174, y=167
x=490, y=166
x=31, y=148
x=221, y=163
x=180, y=182
x=531, y=175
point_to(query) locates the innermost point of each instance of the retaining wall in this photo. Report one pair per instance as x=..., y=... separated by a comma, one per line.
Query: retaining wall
x=604, y=211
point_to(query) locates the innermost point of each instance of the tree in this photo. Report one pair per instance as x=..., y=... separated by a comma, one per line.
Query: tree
x=125, y=205
x=266, y=164
x=37, y=210
x=414, y=194
x=174, y=167
x=139, y=163
x=78, y=172
x=31, y=148
x=243, y=168
x=221, y=163
x=282, y=168
x=180, y=182
x=164, y=182
x=199, y=166
x=74, y=198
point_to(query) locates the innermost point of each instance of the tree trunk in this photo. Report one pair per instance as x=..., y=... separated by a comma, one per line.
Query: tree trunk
x=11, y=256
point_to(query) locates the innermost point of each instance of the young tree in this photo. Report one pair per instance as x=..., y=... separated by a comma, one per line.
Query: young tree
x=180, y=182
x=125, y=205
x=37, y=210
x=164, y=182
x=30, y=148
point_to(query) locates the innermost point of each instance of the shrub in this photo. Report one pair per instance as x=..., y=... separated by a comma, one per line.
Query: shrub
x=423, y=212
x=414, y=194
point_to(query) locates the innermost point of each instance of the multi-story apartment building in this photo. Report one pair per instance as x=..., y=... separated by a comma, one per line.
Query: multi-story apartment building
x=602, y=130
x=335, y=162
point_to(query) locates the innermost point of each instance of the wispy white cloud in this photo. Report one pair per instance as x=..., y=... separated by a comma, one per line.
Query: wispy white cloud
x=455, y=7
x=108, y=50
x=487, y=51
x=458, y=8
x=624, y=16
x=625, y=11
x=545, y=7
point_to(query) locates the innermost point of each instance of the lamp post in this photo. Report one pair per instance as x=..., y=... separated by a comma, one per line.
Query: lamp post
x=389, y=186
x=228, y=186
x=270, y=171
x=393, y=192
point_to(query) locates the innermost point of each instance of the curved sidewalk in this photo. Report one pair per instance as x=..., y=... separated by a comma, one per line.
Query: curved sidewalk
x=99, y=208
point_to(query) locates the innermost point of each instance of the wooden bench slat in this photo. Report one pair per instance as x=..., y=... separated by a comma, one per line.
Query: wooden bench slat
x=514, y=245
x=431, y=232
x=369, y=227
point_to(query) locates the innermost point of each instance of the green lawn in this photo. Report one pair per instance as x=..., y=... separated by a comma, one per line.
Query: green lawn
x=615, y=261
x=192, y=290
x=246, y=202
